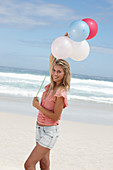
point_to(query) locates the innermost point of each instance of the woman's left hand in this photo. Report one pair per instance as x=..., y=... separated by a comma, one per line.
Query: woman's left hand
x=36, y=102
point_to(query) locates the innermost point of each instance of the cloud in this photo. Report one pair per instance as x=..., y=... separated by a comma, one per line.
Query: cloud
x=107, y=5
x=111, y=3
x=100, y=49
x=35, y=43
x=105, y=11
x=33, y=13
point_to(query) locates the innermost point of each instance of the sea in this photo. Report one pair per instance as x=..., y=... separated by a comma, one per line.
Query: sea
x=27, y=82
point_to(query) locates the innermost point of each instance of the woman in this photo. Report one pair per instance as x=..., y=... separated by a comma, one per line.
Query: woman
x=54, y=99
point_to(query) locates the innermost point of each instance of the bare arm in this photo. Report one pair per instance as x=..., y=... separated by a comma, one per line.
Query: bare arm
x=51, y=62
x=55, y=115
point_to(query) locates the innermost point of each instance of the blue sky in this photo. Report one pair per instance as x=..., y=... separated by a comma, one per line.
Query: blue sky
x=28, y=28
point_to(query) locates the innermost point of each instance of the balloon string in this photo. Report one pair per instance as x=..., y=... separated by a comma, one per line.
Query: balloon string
x=45, y=78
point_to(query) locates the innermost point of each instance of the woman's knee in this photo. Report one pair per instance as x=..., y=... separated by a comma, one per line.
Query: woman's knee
x=28, y=166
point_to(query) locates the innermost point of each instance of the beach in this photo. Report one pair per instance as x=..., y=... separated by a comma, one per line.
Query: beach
x=50, y=49
x=85, y=142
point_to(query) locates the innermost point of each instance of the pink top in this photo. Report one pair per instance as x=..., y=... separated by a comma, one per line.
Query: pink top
x=48, y=103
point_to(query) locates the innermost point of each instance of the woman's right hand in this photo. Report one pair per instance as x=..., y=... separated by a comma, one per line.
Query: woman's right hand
x=66, y=34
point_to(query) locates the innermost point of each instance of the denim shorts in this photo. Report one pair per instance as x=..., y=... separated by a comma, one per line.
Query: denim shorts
x=47, y=136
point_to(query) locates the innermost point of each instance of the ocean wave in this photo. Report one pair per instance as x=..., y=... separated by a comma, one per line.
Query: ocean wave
x=99, y=83
x=23, y=76
x=92, y=98
x=27, y=84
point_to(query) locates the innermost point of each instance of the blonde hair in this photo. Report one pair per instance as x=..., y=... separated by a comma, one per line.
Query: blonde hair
x=66, y=79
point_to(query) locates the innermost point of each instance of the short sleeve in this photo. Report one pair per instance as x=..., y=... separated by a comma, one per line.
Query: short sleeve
x=62, y=93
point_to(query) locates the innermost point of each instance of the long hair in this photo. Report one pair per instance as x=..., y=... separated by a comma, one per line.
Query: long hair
x=65, y=83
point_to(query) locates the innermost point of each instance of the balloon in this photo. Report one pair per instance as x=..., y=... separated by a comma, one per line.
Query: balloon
x=80, y=50
x=93, y=27
x=78, y=30
x=62, y=47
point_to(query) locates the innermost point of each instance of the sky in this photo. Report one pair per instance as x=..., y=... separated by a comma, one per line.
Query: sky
x=28, y=28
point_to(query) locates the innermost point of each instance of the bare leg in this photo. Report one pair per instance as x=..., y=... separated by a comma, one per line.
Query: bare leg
x=36, y=155
x=45, y=162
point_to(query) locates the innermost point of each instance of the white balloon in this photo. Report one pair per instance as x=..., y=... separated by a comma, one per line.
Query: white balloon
x=80, y=50
x=62, y=47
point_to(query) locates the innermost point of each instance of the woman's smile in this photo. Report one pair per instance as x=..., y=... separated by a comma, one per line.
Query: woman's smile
x=57, y=74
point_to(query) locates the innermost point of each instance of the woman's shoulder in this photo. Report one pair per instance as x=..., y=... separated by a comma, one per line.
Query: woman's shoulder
x=61, y=91
x=61, y=88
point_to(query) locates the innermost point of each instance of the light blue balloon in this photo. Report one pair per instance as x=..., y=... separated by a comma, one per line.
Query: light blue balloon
x=78, y=30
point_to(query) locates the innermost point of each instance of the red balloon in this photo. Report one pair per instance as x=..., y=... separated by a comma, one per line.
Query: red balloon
x=93, y=27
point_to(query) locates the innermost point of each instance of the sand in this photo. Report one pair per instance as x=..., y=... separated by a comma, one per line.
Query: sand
x=85, y=142
x=81, y=146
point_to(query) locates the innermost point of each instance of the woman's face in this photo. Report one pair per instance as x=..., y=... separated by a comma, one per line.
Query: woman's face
x=57, y=74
